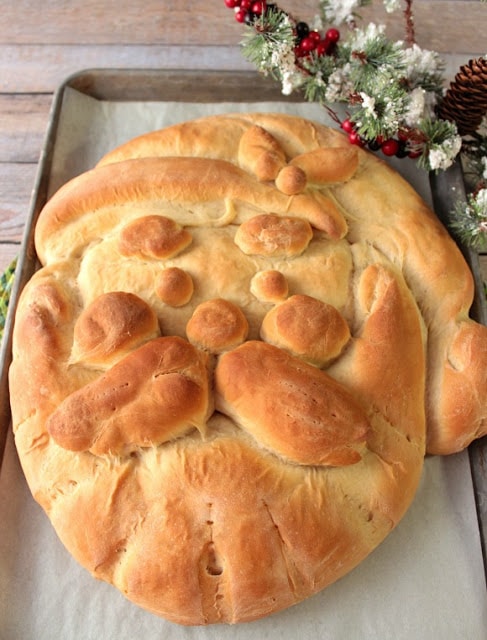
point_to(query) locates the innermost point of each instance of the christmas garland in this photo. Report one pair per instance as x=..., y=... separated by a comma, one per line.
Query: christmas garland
x=393, y=91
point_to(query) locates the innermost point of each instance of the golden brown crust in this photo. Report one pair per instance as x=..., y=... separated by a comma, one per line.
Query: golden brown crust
x=260, y=153
x=269, y=286
x=273, y=235
x=111, y=326
x=464, y=372
x=153, y=237
x=325, y=165
x=306, y=327
x=359, y=352
x=318, y=424
x=154, y=394
x=291, y=180
x=174, y=286
x=217, y=326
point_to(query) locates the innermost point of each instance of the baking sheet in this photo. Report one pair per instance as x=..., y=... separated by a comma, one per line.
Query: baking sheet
x=425, y=581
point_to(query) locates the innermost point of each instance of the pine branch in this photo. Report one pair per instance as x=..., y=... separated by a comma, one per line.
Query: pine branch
x=382, y=105
x=470, y=221
x=271, y=32
x=315, y=83
x=377, y=53
x=439, y=144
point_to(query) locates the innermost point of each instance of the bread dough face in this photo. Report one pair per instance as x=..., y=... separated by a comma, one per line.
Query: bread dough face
x=226, y=374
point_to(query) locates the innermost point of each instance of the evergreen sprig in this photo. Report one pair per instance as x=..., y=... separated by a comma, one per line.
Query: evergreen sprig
x=377, y=56
x=272, y=31
x=315, y=84
x=474, y=152
x=437, y=144
x=470, y=221
x=383, y=103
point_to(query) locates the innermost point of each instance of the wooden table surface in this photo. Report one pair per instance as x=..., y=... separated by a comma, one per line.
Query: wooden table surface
x=41, y=44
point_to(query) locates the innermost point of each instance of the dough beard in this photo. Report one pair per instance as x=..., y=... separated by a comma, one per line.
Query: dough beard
x=245, y=335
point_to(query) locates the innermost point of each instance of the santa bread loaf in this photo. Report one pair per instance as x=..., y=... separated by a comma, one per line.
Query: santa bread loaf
x=245, y=335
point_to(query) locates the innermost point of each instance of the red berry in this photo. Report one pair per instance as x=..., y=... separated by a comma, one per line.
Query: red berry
x=333, y=35
x=240, y=15
x=390, y=147
x=308, y=44
x=245, y=5
x=322, y=48
x=231, y=4
x=257, y=7
x=315, y=35
x=330, y=40
x=415, y=154
x=355, y=138
x=347, y=125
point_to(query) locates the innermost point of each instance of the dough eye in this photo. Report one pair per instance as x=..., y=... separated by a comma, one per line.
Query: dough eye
x=153, y=237
x=273, y=235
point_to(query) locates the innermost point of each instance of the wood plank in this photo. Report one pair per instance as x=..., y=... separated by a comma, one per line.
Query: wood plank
x=16, y=184
x=23, y=122
x=111, y=21
x=445, y=26
x=42, y=68
x=462, y=25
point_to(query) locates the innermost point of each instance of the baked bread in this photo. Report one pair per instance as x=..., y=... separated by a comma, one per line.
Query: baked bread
x=245, y=335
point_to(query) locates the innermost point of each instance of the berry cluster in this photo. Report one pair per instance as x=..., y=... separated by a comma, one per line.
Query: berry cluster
x=247, y=10
x=400, y=147
x=307, y=41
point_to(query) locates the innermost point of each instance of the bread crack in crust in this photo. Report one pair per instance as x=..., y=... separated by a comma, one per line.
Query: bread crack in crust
x=245, y=335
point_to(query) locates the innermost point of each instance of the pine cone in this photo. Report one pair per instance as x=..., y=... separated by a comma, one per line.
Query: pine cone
x=465, y=102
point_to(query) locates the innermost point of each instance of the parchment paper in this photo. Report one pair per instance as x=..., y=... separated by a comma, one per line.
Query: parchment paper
x=425, y=582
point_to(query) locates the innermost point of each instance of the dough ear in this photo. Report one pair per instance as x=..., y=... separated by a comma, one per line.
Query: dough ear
x=458, y=389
